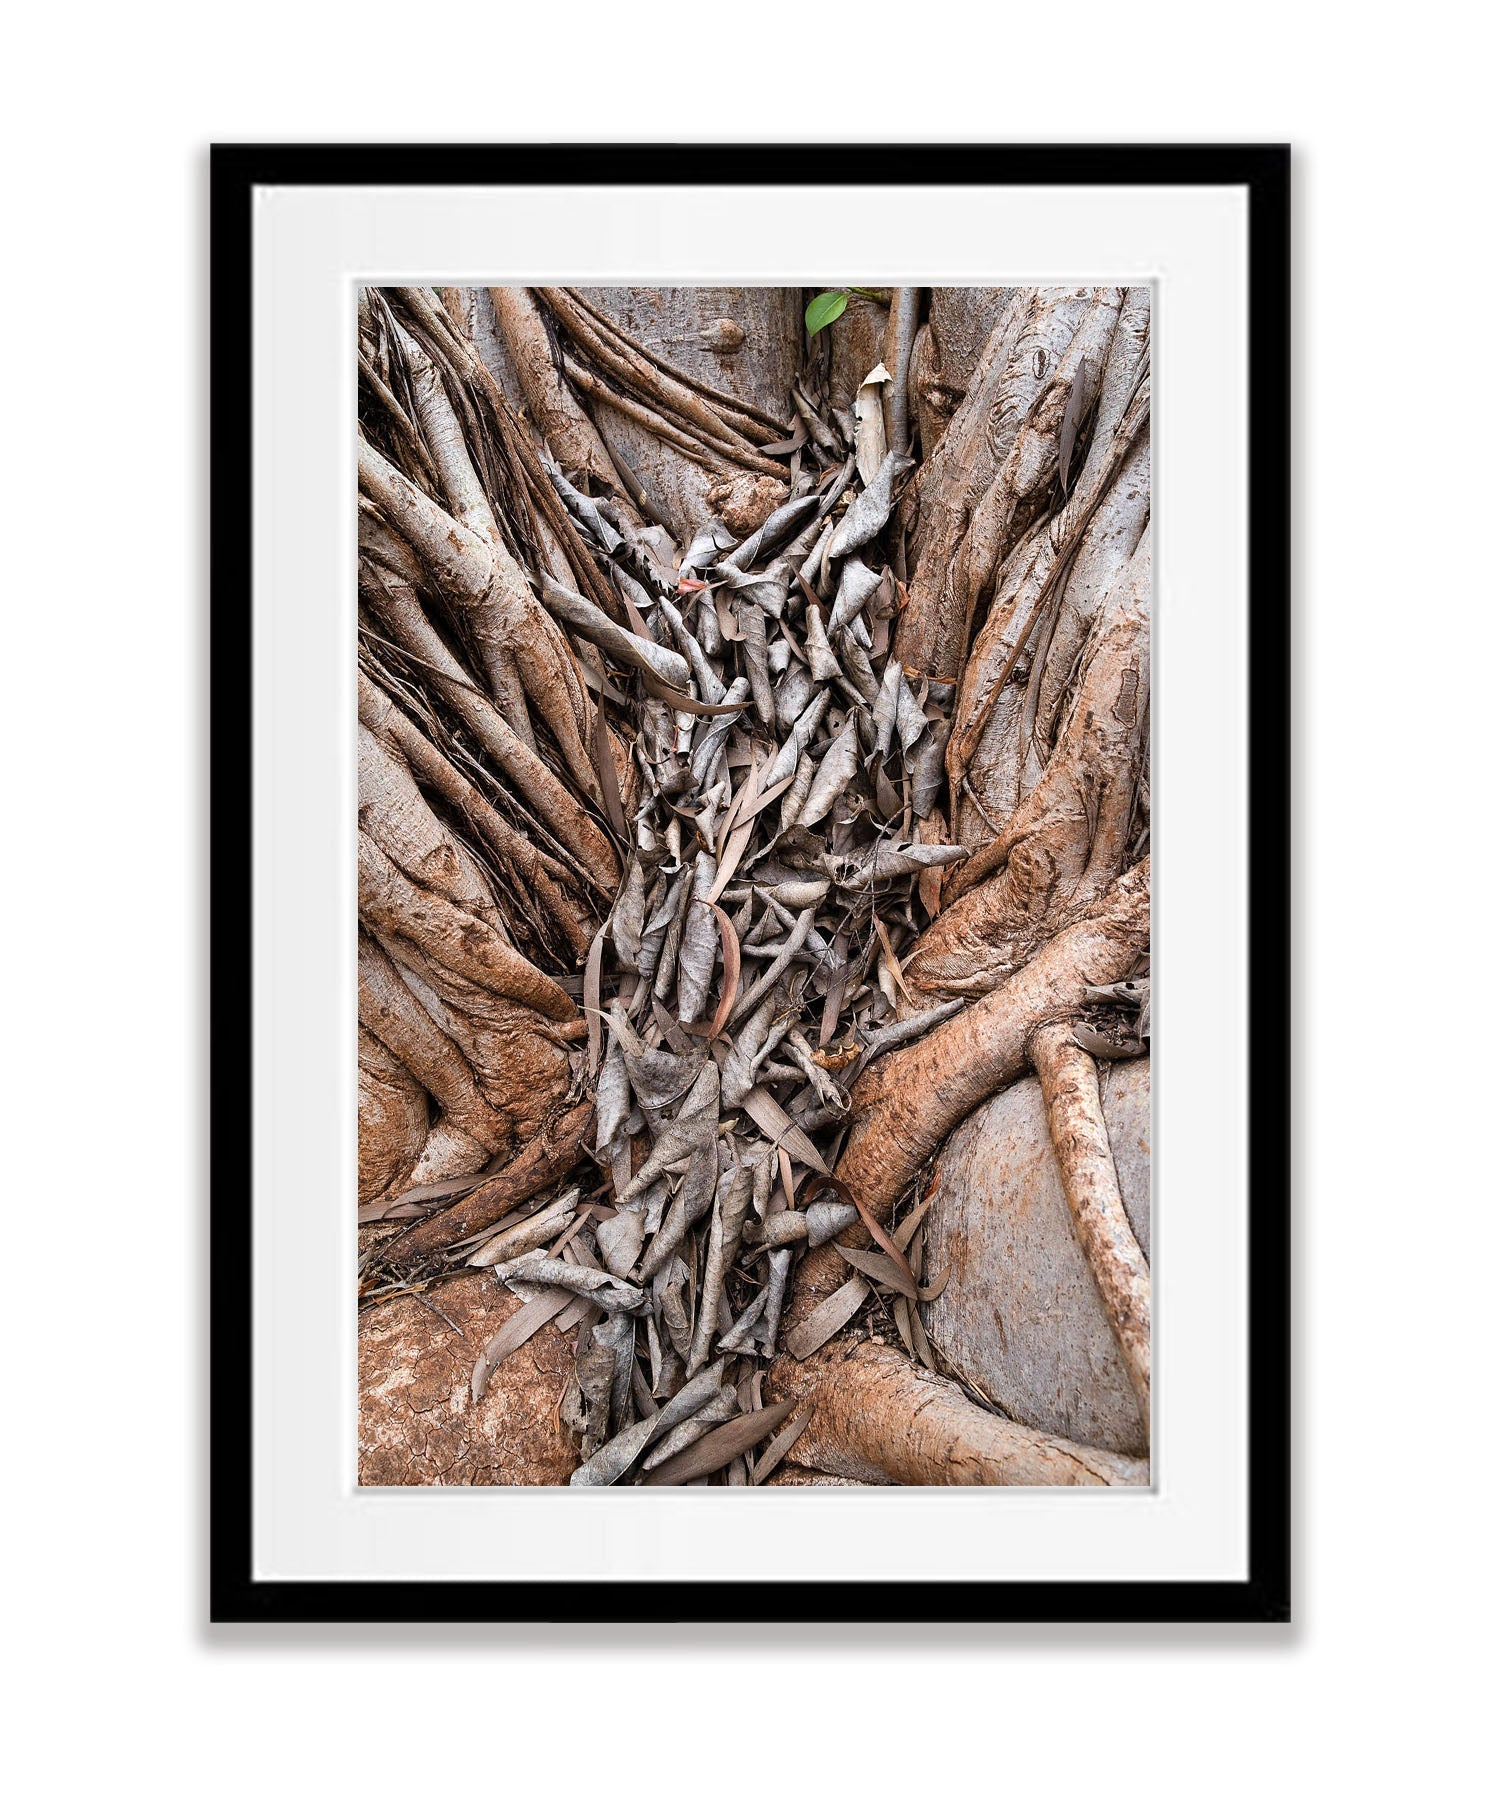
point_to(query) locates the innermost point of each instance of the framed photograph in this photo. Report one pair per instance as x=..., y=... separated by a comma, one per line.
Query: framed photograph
x=750, y=830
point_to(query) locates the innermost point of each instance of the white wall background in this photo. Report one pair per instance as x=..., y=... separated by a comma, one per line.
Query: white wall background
x=1380, y=1686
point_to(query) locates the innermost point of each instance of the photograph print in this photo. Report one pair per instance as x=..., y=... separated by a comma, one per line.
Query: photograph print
x=754, y=886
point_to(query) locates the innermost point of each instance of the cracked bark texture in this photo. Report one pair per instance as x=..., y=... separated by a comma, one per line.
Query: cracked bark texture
x=417, y=1426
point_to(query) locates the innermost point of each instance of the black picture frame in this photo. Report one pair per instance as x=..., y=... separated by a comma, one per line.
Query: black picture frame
x=1263, y=171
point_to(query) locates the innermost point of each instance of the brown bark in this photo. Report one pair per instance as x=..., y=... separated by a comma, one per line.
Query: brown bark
x=392, y=1118
x=901, y=332
x=401, y=614
x=513, y=442
x=1075, y=1114
x=962, y=320
x=996, y=461
x=621, y=358
x=416, y=882
x=757, y=376
x=555, y=1149
x=522, y=647
x=1023, y=666
x=420, y=888
x=391, y=1012
x=534, y=874
x=556, y=413
x=446, y=990
x=1068, y=838
x=910, y=1100
x=856, y=343
x=946, y=354
x=877, y=1416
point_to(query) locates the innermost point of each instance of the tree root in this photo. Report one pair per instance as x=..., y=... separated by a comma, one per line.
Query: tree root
x=564, y=424
x=446, y=342
x=1068, y=837
x=901, y=334
x=1025, y=510
x=1057, y=578
x=521, y=646
x=536, y=876
x=417, y=881
x=392, y=1118
x=391, y=1012
x=997, y=461
x=696, y=419
x=399, y=611
x=751, y=421
x=1075, y=1116
x=909, y=1101
x=707, y=455
x=555, y=1149
x=878, y=1417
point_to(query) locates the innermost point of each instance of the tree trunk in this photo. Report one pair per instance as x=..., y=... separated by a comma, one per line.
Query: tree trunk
x=754, y=791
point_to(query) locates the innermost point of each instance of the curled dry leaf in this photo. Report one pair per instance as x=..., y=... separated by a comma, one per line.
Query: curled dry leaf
x=830, y=1316
x=719, y=1447
x=905, y=1280
x=881, y=1268
x=730, y=946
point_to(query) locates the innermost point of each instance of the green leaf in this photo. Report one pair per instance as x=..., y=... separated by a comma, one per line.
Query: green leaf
x=824, y=309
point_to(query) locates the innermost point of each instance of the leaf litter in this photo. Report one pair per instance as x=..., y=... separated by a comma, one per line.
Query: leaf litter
x=750, y=969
